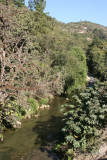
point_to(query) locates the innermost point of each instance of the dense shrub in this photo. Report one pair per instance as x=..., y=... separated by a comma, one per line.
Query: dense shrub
x=42, y=55
x=85, y=115
x=34, y=105
x=97, y=58
x=43, y=101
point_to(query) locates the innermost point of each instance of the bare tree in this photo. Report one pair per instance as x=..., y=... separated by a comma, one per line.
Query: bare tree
x=18, y=70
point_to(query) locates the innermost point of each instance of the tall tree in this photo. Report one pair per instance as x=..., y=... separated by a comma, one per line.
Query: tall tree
x=97, y=58
x=19, y=3
x=38, y=5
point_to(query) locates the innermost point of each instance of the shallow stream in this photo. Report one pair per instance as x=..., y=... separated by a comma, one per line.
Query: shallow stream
x=35, y=139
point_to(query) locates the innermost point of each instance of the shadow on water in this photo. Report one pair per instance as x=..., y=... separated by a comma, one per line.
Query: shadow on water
x=48, y=132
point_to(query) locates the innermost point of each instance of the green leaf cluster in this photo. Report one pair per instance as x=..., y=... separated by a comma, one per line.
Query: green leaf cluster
x=34, y=105
x=85, y=115
x=97, y=58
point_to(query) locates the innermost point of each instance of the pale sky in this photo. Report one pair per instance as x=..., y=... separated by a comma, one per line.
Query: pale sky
x=75, y=10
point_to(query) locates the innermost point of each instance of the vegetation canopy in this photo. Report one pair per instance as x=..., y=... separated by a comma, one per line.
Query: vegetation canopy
x=40, y=58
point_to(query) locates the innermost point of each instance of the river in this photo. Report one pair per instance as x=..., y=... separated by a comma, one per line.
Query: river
x=36, y=138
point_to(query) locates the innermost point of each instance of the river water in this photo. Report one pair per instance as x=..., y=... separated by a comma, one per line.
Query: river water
x=35, y=140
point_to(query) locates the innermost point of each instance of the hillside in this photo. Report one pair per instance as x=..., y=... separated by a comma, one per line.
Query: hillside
x=82, y=33
x=41, y=57
x=86, y=26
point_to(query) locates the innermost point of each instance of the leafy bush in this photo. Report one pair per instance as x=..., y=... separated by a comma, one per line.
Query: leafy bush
x=34, y=104
x=97, y=58
x=76, y=69
x=44, y=101
x=10, y=114
x=84, y=118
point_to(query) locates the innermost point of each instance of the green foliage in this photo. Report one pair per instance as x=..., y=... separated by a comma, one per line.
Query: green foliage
x=12, y=109
x=76, y=69
x=100, y=34
x=47, y=57
x=44, y=101
x=19, y=3
x=10, y=114
x=34, y=105
x=57, y=147
x=97, y=58
x=38, y=5
x=84, y=117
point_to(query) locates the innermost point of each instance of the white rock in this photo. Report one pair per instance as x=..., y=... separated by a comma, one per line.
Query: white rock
x=36, y=115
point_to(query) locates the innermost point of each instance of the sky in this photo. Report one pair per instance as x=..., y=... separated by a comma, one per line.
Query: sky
x=78, y=10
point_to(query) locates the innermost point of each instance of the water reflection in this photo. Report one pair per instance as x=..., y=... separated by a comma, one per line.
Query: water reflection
x=35, y=140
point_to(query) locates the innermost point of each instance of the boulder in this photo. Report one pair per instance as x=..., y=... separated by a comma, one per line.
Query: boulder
x=44, y=106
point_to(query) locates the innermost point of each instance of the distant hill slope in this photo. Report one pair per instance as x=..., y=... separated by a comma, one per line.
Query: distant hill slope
x=86, y=26
x=82, y=33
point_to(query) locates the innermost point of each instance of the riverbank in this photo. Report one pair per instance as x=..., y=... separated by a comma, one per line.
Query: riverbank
x=15, y=111
x=35, y=135
x=100, y=153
